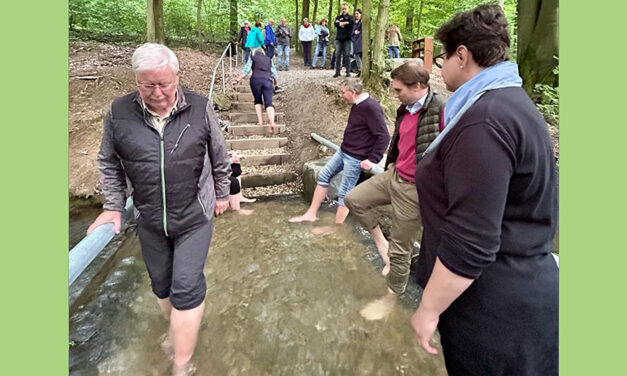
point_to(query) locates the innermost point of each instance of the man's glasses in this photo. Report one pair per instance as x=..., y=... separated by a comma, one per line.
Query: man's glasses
x=439, y=60
x=152, y=87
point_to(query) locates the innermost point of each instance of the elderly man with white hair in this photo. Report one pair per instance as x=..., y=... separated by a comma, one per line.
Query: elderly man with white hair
x=166, y=141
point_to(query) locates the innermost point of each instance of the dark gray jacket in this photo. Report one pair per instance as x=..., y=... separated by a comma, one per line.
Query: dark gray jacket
x=428, y=126
x=176, y=177
x=283, y=35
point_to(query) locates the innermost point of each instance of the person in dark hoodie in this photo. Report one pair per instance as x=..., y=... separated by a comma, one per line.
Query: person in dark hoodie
x=241, y=39
x=344, y=24
x=356, y=39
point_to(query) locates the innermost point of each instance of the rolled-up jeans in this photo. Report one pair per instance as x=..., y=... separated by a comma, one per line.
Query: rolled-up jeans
x=340, y=162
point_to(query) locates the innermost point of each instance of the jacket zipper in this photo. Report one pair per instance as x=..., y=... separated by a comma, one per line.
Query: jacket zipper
x=176, y=144
x=165, y=221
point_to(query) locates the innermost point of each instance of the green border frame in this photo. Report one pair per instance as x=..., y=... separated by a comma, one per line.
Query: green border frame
x=34, y=193
x=592, y=187
x=34, y=155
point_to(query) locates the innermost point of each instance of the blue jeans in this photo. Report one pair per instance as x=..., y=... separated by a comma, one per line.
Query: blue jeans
x=393, y=52
x=270, y=51
x=283, y=55
x=246, y=54
x=324, y=54
x=340, y=161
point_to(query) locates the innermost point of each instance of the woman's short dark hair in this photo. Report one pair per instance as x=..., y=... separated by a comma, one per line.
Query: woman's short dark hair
x=358, y=10
x=323, y=20
x=257, y=24
x=482, y=30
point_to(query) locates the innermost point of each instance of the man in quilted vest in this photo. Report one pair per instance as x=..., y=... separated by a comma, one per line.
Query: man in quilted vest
x=166, y=141
x=417, y=125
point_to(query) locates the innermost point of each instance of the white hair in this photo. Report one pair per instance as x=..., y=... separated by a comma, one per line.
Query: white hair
x=151, y=56
x=255, y=50
x=353, y=85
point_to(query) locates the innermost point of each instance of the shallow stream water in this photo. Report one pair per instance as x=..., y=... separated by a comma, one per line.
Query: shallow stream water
x=280, y=301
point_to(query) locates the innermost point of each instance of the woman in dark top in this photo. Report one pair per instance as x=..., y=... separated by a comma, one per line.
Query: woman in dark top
x=488, y=203
x=262, y=83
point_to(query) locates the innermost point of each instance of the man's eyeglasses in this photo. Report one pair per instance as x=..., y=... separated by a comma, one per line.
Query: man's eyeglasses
x=152, y=87
x=439, y=60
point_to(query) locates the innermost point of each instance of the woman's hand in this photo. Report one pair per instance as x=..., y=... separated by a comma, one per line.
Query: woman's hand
x=425, y=323
x=234, y=83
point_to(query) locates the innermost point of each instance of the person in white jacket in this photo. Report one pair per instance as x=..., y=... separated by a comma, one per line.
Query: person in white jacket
x=306, y=35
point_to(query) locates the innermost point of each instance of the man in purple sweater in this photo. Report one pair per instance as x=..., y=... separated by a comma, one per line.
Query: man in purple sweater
x=365, y=139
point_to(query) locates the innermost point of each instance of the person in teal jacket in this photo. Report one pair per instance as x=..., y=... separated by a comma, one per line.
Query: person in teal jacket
x=255, y=37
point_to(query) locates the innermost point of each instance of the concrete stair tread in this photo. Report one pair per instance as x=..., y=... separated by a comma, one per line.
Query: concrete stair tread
x=235, y=131
x=255, y=142
x=261, y=176
x=265, y=159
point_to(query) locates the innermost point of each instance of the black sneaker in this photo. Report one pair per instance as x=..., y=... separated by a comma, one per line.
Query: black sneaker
x=278, y=89
x=348, y=74
x=336, y=75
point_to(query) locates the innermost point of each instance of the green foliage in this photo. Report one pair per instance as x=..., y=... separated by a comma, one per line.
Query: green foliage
x=547, y=99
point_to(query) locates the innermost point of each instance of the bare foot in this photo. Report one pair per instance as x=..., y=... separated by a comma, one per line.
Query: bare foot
x=186, y=369
x=247, y=200
x=302, y=218
x=245, y=211
x=271, y=128
x=324, y=230
x=260, y=124
x=386, y=269
x=380, y=308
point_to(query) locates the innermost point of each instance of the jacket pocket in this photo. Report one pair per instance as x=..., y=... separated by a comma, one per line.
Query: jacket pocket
x=202, y=206
x=176, y=144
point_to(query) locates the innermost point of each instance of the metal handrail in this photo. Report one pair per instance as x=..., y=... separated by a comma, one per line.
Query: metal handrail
x=91, y=245
x=376, y=169
x=220, y=63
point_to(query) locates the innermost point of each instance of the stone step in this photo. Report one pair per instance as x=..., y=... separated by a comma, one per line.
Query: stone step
x=264, y=180
x=243, y=88
x=255, y=143
x=242, y=97
x=254, y=130
x=251, y=117
x=265, y=159
x=243, y=106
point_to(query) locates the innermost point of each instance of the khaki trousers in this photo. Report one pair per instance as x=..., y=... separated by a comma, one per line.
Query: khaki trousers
x=383, y=189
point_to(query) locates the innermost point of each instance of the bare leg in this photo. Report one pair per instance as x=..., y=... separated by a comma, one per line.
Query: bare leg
x=270, y=111
x=259, y=112
x=382, y=248
x=184, y=326
x=166, y=341
x=310, y=215
x=234, y=202
x=341, y=214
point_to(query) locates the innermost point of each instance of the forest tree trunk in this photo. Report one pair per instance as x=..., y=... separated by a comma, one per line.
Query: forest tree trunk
x=233, y=24
x=366, y=22
x=538, y=42
x=154, y=21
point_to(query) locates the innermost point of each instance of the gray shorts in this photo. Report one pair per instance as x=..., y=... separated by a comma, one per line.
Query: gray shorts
x=175, y=264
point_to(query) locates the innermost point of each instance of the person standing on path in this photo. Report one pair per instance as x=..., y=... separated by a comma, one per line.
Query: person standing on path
x=322, y=37
x=255, y=37
x=344, y=24
x=365, y=139
x=417, y=125
x=306, y=35
x=488, y=202
x=269, y=38
x=356, y=40
x=241, y=38
x=262, y=84
x=166, y=141
x=283, y=35
x=393, y=37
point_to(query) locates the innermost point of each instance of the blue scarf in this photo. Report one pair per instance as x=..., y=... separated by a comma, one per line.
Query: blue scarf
x=501, y=75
